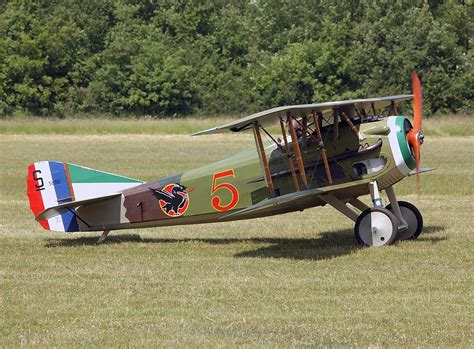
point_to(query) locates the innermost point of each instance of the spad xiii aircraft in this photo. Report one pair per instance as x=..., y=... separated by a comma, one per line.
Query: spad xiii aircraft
x=327, y=153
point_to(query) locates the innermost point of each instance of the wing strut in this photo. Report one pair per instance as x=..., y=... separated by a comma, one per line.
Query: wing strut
x=290, y=161
x=335, y=126
x=263, y=158
x=372, y=105
x=393, y=108
x=297, y=151
x=351, y=125
x=321, y=144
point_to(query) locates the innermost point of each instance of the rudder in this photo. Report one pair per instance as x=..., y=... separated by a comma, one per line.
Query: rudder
x=51, y=183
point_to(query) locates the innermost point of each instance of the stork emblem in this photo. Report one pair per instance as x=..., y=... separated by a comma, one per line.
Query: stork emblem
x=173, y=199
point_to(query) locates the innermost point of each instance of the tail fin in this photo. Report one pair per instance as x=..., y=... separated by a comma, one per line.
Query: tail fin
x=52, y=183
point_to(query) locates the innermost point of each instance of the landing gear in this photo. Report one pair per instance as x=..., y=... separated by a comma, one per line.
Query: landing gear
x=413, y=219
x=376, y=226
x=379, y=226
x=103, y=237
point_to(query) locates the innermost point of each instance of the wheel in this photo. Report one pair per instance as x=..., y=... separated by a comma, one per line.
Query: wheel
x=414, y=219
x=376, y=226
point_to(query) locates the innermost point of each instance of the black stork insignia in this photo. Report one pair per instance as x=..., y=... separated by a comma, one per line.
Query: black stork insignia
x=174, y=196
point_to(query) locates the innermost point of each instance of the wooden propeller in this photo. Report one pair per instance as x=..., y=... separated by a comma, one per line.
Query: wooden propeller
x=415, y=135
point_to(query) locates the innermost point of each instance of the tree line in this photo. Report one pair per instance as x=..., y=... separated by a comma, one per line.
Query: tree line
x=177, y=57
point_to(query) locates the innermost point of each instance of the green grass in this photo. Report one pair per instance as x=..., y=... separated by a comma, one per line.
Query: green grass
x=292, y=280
x=448, y=125
x=36, y=125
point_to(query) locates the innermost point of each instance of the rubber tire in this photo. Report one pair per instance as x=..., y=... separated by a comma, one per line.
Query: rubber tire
x=385, y=219
x=410, y=209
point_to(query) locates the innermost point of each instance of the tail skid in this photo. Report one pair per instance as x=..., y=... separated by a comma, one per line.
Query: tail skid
x=53, y=184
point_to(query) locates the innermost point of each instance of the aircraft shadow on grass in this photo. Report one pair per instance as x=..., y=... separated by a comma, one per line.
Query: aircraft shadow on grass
x=327, y=245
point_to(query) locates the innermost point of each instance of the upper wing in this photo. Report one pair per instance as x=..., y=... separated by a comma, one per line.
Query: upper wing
x=270, y=116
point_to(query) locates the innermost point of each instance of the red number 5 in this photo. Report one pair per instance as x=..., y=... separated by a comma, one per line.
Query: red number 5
x=216, y=200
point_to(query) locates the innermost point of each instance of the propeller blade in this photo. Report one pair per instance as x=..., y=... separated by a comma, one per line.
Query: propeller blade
x=417, y=101
x=415, y=136
x=416, y=150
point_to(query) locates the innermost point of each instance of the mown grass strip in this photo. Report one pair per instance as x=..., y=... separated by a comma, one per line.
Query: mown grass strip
x=107, y=126
x=449, y=125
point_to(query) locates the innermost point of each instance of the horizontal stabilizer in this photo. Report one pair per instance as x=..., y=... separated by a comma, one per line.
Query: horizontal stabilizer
x=54, y=211
x=421, y=170
x=275, y=202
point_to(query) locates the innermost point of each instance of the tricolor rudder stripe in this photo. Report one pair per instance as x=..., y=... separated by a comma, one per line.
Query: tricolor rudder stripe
x=35, y=184
x=49, y=185
x=64, y=193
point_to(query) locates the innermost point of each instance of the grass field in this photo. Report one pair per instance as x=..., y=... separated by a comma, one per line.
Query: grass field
x=448, y=125
x=293, y=280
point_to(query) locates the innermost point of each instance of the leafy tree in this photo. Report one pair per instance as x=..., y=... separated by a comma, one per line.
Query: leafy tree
x=176, y=57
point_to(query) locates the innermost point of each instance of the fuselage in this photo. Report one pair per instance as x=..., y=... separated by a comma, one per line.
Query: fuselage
x=212, y=192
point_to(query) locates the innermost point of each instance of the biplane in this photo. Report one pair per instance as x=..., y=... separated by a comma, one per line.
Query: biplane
x=320, y=154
